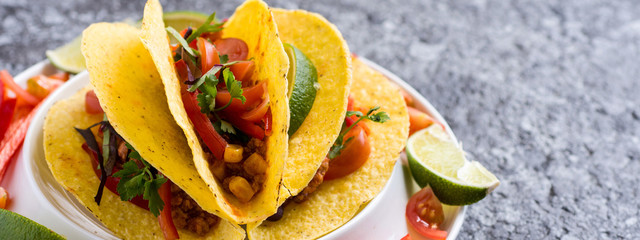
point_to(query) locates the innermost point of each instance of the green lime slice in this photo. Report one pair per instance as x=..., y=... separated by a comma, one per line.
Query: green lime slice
x=15, y=226
x=303, y=80
x=69, y=57
x=436, y=160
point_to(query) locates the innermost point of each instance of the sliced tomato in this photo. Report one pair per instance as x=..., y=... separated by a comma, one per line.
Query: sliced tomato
x=166, y=221
x=353, y=156
x=242, y=71
x=250, y=128
x=6, y=78
x=419, y=120
x=406, y=237
x=91, y=103
x=408, y=100
x=4, y=198
x=236, y=49
x=424, y=215
x=202, y=124
x=208, y=54
x=258, y=112
x=253, y=94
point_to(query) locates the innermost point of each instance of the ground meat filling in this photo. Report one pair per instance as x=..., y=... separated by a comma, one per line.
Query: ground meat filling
x=315, y=182
x=187, y=214
x=246, y=177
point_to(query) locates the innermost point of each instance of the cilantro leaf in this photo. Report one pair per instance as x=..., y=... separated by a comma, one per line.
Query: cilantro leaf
x=183, y=43
x=233, y=86
x=136, y=181
x=224, y=58
x=227, y=127
x=151, y=193
x=340, y=144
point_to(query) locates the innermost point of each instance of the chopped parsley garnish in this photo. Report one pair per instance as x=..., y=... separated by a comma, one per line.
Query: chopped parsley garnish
x=227, y=127
x=135, y=181
x=340, y=143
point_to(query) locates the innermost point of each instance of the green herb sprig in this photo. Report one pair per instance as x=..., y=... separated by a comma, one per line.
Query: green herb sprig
x=340, y=143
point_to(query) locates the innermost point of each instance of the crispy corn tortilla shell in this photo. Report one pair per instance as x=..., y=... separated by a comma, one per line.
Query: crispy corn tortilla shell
x=323, y=44
x=253, y=23
x=71, y=166
x=337, y=201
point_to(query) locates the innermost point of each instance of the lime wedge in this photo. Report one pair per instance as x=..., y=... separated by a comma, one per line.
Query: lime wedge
x=15, y=226
x=303, y=78
x=68, y=57
x=436, y=160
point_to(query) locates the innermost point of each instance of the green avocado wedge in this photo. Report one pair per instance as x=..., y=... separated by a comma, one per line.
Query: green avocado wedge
x=15, y=226
x=303, y=78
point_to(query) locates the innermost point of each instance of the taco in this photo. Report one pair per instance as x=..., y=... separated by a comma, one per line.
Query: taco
x=344, y=190
x=139, y=154
x=226, y=85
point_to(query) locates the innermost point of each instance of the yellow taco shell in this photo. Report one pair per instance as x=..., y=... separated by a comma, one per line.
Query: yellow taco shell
x=253, y=23
x=337, y=201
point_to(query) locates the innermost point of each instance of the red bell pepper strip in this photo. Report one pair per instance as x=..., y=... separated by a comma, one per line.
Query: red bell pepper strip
x=7, y=108
x=203, y=126
x=6, y=78
x=165, y=219
x=14, y=137
x=250, y=128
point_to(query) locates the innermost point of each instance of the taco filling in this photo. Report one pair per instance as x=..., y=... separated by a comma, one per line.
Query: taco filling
x=133, y=179
x=230, y=111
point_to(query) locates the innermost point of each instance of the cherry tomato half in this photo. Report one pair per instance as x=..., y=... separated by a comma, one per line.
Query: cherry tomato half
x=91, y=103
x=352, y=157
x=424, y=215
x=419, y=120
x=236, y=49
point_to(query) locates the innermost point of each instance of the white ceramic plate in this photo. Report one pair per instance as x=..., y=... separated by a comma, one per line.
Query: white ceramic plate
x=36, y=194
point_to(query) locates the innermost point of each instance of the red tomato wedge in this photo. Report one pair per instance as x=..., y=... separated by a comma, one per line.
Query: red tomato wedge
x=112, y=183
x=352, y=157
x=250, y=128
x=8, y=82
x=258, y=112
x=242, y=71
x=253, y=95
x=166, y=221
x=419, y=120
x=424, y=215
x=202, y=124
x=62, y=76
x=91, y=103
x=236, y=49
x=208, y=55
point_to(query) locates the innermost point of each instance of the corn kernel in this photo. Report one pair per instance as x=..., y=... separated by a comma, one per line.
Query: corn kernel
x=233, y=153
x=255, y=165
x=241, y=188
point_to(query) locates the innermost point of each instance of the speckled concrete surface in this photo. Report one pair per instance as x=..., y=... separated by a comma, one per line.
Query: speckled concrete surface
x=544, y=93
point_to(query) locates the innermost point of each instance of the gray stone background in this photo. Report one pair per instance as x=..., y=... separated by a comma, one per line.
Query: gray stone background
x=543, y=93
